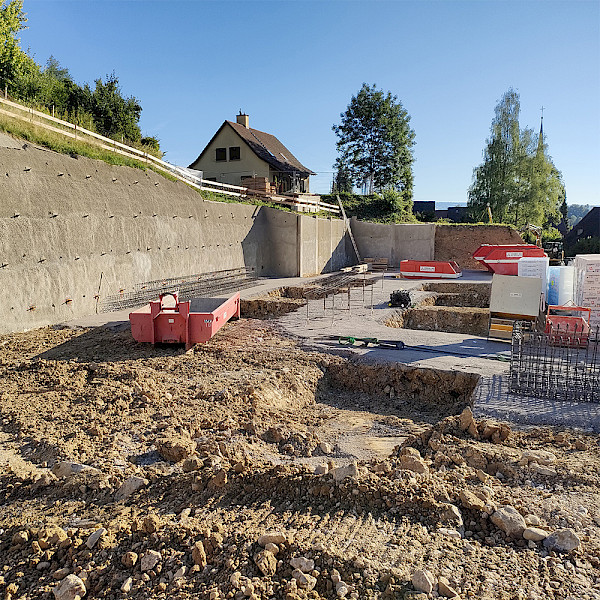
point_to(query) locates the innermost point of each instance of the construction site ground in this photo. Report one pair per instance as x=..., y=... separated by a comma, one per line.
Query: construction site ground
x=273, y=462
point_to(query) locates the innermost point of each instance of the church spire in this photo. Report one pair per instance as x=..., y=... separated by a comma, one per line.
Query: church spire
x=540, y=146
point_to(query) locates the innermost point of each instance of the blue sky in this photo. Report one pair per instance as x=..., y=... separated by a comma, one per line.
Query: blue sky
x=293, y=67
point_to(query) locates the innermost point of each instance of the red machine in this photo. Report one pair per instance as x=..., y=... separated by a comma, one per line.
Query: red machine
x=430, y=269
x=191, y=322
x=504, y=259
x=568, y=325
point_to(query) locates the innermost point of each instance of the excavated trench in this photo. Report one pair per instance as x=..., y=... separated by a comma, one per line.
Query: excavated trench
x=401, y=387
x=448, y=307
x=287, y=299
x=274, y=304
x=392, y=388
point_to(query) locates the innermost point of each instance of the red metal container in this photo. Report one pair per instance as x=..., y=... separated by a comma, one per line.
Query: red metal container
x=429, y=269
x=191, y=322
x=504, y=259
x=568, y=325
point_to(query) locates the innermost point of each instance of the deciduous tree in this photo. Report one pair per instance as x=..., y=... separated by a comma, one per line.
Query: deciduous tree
x=375, y=142
x=517, y=177
x=12, y=20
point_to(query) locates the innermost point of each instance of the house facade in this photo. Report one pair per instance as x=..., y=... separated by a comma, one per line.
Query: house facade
x=237, y=154
x=588, y=227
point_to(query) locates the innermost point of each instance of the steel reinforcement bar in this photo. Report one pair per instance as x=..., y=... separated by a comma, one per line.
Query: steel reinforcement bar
x=202, y=285
x=561, y=365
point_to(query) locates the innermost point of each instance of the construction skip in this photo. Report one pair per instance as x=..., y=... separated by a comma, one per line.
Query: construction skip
x=169, y=321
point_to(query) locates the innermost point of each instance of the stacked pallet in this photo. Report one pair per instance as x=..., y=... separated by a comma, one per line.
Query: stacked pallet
x=587, y=284
x=377, y=264
x=257, y=184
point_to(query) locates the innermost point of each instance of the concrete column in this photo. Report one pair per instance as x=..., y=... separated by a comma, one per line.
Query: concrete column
x=299, y=251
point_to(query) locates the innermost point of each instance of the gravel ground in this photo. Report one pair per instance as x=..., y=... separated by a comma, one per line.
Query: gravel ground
x=261, y=465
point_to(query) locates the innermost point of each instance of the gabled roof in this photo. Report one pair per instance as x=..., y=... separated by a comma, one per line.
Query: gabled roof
x=267, y=147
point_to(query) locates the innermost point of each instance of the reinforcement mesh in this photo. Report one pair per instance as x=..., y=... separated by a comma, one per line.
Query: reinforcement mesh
x=203, y=285
x=563, y=364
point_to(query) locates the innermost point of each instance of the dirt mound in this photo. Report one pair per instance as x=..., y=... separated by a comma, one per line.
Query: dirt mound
x=458, y=242
x=227, y=472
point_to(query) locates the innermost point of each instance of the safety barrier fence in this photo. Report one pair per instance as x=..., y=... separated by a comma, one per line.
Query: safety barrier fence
x=73, y=131
x=562, y=364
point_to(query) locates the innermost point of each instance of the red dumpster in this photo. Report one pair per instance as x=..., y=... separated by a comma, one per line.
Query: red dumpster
x=429, y=269
x=568, y=325
x=504, y=259
x=189, y=323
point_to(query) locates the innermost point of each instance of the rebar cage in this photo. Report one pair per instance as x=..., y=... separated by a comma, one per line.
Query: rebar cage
x=563, y=364
x=202, y=285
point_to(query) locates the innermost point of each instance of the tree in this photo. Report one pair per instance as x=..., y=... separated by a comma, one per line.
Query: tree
x=342, y=181
x=375, y=142
x=53, y=89
x=517, y=177
x=576, y=212
x=12, y=20
x=113, y=114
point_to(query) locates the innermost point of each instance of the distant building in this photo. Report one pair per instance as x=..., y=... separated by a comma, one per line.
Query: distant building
x=423, y=207
x=237, y=153
x=588, y=227
x=458, y=214
x=427, y=210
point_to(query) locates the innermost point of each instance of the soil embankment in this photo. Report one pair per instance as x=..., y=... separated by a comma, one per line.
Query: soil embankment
x=458, y=242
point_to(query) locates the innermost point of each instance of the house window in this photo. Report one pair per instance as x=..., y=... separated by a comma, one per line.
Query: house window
x=221, y=154
x=234, y=153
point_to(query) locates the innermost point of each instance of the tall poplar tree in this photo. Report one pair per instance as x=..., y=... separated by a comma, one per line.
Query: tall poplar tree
x=517, y=177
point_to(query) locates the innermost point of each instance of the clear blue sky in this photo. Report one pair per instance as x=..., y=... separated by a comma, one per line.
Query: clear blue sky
x=293, y=67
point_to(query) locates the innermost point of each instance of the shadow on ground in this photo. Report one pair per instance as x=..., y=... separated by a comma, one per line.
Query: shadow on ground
x=110, y=343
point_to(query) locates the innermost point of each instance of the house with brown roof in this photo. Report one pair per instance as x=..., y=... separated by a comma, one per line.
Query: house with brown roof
x=239, y=155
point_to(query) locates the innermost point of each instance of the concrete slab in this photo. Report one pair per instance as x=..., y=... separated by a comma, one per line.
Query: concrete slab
x=492, y=398
x=320, y=328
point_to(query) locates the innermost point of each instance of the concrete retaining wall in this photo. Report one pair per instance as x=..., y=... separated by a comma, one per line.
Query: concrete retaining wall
x=394, y=242
x=73, y=229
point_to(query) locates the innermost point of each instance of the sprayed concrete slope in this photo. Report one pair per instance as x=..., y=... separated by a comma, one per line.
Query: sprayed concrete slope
x=75, y=230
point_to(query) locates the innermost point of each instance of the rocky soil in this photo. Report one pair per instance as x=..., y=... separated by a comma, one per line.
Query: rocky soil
x=250, y=468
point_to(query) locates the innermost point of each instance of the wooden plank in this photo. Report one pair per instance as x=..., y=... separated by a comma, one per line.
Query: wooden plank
x=347, y=224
